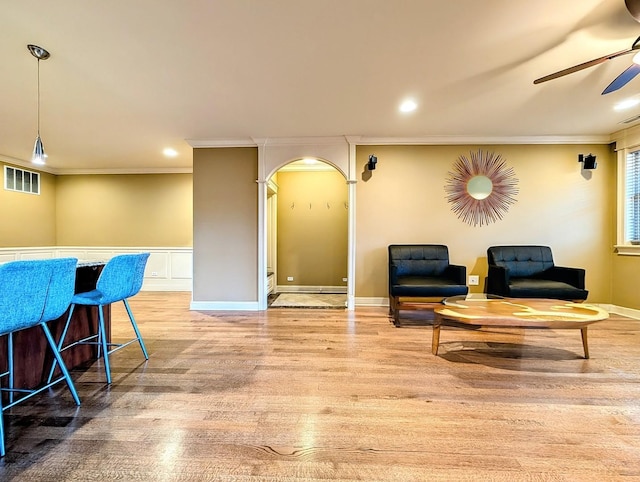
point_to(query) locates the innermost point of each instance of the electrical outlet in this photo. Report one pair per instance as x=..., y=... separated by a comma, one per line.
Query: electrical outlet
x=289, y=278
x=154, y=274
x=474, y=280
x=344, y=279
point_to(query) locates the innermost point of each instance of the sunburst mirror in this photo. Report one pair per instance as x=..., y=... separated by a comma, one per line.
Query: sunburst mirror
x=481, y=188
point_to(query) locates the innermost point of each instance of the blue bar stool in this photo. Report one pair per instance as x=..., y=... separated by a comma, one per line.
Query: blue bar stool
x=32, y=293
x=121, y=278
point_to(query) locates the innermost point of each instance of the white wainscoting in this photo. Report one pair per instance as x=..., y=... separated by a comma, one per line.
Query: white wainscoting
x=168, y=269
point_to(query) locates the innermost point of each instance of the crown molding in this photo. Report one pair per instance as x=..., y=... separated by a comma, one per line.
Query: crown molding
x=626, y=138
x=84, y=171
x=267, y=141
x=204, y=143
x=29, y=166
x=424, y=140
x=298, y=141
x=461, y=140
x=140, y=170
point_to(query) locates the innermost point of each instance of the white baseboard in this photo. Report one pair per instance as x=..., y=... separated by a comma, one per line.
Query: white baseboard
x=621, y=310
x=310, y=289
x=224, y=306
x=371, y=301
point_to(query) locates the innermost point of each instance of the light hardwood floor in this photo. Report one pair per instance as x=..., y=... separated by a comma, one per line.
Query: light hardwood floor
x=294, y=394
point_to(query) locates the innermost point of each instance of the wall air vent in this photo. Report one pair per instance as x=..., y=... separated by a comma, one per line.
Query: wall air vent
x=20, y=180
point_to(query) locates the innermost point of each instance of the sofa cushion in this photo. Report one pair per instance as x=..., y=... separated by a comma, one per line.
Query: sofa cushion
x=541, y=288
x=426, y=287
x=419, y=260
x=521, y=260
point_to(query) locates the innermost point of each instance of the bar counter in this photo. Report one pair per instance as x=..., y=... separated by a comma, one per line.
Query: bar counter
x=32, y=356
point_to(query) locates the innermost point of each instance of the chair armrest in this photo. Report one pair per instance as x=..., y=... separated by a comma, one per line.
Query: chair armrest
x=456, y=273
x=393, y=275
x=498, y=280
x=572, y=276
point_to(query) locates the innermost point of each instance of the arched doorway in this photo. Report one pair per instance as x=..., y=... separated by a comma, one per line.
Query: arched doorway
x=340, y=152
x=307, y=221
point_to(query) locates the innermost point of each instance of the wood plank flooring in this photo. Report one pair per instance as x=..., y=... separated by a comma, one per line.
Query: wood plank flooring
x=310, y=395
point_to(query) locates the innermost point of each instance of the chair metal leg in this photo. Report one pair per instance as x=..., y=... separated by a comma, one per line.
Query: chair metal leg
x=10, y=365
x=2, y=448
x=99, y=346
x=63, y=367
x=10, y=356
x=105, y=348
x=61, y=342
x=135, y=328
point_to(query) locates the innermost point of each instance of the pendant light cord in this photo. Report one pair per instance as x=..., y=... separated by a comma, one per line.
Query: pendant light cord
x=38, y=97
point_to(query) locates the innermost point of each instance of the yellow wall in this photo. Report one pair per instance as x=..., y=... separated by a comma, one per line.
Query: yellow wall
x=225, y=224
x=124, y=210
x=404, y=202
x=29, y=219
x=312, y=228
x=626, y=281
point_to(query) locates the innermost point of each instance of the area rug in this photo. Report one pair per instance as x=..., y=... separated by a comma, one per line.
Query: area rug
x=310, y=300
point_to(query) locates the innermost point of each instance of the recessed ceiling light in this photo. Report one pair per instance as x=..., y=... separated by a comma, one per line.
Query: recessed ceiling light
x=169, y=152
x=408, y=105
x=626, y=104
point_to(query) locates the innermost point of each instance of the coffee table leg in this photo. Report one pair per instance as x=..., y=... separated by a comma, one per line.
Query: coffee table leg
x=585, y=343
x=437, y=322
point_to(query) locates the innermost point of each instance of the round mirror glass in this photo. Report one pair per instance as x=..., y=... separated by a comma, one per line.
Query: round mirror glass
x=479, y=187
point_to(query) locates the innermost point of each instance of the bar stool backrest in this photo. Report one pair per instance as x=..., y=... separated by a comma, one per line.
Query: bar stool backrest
x=23, y=292
x=121, y=277
x=61, y=287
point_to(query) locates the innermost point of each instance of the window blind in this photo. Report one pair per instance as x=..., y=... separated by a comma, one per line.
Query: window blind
x=632, y=197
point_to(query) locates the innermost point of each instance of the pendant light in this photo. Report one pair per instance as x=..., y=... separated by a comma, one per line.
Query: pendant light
x=39, y=155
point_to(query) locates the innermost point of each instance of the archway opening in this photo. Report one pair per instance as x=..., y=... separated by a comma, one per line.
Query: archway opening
x=307, y=235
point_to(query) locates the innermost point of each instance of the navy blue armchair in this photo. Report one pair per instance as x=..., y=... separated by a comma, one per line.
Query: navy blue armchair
x=529, y=272
x=422, y=271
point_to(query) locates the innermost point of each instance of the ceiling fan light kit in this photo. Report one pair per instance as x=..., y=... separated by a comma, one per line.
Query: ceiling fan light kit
x=633, y=7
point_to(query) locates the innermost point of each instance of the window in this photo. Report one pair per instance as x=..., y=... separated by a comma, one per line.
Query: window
x=21, y=180
x=632, y=198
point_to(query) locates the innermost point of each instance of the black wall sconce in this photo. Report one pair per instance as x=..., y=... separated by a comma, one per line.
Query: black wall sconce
x=371, y=165
x=588, y=162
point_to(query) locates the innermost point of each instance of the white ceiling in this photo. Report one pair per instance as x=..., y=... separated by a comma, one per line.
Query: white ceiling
x=127, y=78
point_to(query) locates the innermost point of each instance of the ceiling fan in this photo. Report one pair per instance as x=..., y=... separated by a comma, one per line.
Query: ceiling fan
x=633, y=6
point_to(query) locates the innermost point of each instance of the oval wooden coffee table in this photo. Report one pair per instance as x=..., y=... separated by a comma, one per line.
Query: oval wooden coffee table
x=517, y=313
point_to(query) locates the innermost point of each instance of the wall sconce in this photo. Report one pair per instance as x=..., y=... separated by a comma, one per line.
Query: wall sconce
x=588, y=162
x=371, y=165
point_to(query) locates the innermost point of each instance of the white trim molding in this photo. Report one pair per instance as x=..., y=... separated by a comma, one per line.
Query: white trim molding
x=225, y=306
x=424, y=140
x=310, y=289
x=621, y=310
x=627, y=250
x=475, y=140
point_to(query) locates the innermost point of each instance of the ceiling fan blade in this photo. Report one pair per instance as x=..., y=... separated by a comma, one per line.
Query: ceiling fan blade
x=622, y=79
x=585, y=65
